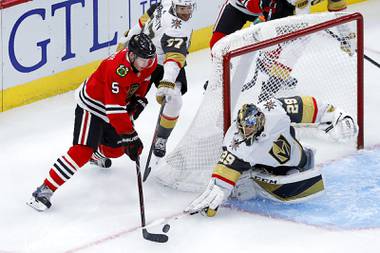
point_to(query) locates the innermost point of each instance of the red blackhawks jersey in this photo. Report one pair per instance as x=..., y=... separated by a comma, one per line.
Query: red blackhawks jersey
x=107, y=91
x=250, y=7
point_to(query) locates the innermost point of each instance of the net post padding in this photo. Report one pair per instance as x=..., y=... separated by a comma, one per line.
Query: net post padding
x=188, y=167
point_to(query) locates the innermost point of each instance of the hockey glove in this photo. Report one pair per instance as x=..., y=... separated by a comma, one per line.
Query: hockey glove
x=133, y=145
x=165, y=89
x=136, y=105
x=339, y=125
x=209, y=201
x=274, y=9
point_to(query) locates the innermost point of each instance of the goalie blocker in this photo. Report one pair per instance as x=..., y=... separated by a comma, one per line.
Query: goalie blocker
x=261, y=153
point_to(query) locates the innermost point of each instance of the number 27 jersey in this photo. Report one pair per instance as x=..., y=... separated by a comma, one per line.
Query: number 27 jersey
x=170, y=34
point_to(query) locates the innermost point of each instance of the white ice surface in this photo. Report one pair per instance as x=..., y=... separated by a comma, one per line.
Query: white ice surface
x=97, y=211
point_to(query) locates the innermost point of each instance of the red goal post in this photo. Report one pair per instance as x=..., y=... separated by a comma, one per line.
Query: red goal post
x=286, y=37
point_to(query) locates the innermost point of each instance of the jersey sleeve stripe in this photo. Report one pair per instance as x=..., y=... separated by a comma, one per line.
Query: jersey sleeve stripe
x=115, y=109
x=93, y=106
x=310, y=109
x=226, y=174
x=176, y=57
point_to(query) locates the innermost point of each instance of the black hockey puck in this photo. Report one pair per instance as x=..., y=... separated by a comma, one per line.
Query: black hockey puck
x=166, y=228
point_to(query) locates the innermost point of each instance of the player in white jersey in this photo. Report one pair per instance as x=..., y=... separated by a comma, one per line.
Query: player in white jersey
x=261, y=151
x=170, y=28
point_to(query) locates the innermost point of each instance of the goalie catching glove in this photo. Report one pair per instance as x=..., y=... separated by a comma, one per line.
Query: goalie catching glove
x=339, y=125
x=208, y=202
x=165, y=89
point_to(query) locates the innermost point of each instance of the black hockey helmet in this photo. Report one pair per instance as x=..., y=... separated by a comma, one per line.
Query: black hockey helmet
x=142, y=46
x=250, y=121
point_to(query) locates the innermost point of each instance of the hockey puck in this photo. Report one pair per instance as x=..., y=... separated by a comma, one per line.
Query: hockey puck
x=166, y=228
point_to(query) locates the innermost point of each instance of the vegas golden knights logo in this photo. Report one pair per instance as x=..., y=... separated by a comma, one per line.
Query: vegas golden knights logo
x=281, y=150
x=133, y=89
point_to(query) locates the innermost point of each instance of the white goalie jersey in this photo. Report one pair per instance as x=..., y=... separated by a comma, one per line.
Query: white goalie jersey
x=275, y=146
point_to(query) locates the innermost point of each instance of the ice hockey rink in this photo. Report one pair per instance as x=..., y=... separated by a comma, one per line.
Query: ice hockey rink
x=98, y=210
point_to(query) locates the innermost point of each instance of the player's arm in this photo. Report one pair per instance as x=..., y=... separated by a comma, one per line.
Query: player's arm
x=229, y=167
x=300, y=109
x=175, y=50
x=136, y=28
x=115, y=94
x=224, y=177
x=335, y=122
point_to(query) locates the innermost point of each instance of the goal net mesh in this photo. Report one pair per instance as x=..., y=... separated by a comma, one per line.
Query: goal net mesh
x=322, y=64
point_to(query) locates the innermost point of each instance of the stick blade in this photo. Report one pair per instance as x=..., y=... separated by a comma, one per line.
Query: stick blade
x=161, y=238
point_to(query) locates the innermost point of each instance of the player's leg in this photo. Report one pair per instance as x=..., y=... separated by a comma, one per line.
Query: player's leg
x=292, y=187
x=229, y=20
x=88, y=130
x=109, y=148
x=170, y=114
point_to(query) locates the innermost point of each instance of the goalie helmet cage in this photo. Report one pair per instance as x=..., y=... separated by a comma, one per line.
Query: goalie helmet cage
x=293, y=56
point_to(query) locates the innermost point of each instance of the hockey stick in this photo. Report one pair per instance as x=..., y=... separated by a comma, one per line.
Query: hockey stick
x=371, y=60
x=147, y=167
x=148, y=236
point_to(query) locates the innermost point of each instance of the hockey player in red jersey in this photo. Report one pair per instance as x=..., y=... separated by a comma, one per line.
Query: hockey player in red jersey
x=103, y=123
x=235, y=13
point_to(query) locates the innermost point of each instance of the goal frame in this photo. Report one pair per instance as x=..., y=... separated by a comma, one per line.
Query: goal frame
x=357, y=17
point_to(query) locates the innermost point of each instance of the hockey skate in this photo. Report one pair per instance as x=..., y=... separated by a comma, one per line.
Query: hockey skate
x=159, y=149
x=99, y=160
x=41, y=198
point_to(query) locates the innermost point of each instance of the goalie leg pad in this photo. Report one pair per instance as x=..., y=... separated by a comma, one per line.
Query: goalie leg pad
x=245, y=187
x=289, y=188
x=310, y=158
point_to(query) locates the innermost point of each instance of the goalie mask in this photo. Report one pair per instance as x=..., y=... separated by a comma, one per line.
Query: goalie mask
x=183, y=9
x=250, y=122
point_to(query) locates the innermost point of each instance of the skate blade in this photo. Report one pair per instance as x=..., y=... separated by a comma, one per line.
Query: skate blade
x=33, y=203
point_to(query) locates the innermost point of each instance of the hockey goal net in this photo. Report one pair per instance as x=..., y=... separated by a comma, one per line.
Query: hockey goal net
x=319, y=55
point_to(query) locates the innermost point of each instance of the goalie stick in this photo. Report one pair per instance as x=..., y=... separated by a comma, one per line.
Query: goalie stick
x=148, y=168
x=161, y=238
